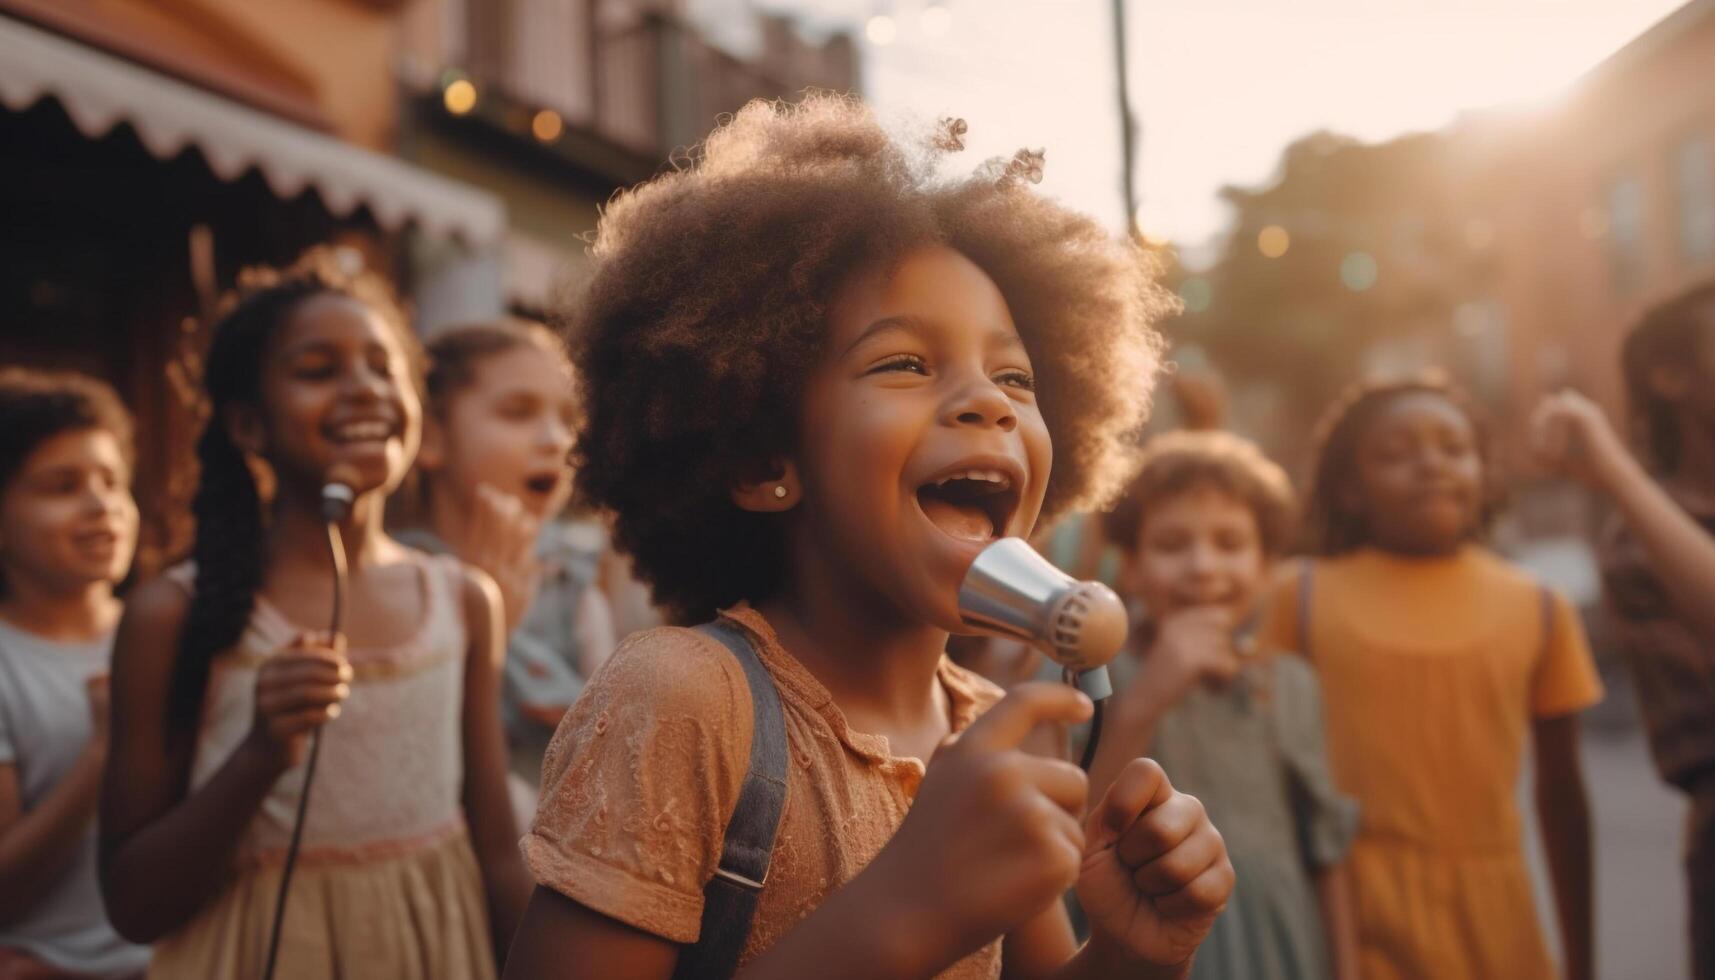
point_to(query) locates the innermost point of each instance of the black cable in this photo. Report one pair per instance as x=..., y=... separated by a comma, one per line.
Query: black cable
x=1095, y=735
x=336, y=550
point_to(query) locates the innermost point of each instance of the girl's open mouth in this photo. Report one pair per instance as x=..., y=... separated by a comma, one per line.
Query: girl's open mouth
x=971, y=505
x=542, y=484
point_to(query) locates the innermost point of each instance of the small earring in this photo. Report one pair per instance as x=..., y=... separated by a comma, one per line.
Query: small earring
x=780, y=491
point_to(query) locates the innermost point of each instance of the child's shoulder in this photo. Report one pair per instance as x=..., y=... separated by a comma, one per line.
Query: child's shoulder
x=673, y=670
x=1294, y=678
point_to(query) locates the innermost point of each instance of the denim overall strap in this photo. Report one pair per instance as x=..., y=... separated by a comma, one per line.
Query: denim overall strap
x=730, y=897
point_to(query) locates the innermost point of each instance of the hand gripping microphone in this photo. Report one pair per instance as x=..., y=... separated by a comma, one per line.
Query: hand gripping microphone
x=338, y=494
x=1010, y=590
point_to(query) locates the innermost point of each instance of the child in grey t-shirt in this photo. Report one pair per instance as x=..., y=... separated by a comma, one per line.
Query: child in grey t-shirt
x=68, y=529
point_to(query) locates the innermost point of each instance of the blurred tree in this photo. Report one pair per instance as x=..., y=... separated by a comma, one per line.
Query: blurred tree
x=1355, y=259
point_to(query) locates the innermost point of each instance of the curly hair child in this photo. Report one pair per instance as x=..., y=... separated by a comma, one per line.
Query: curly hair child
x=1658, y=554
x=1440, y=662
x=1237, y=724
x=68, y=530
x=818, y=381
x=217, y=683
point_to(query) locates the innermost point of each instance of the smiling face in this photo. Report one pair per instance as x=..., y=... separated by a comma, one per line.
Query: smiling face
x=923, y=442
x=1202, y=547
x=67, y=518
x=337, y=389
x=509, y=426
x=1419, y=476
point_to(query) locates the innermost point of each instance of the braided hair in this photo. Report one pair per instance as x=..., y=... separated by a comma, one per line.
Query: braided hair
x=227, y=506
x=1668, y=334
x=1332, y=527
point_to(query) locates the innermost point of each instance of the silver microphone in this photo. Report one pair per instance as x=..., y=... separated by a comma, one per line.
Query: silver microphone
x=337, y=493
x=1011, y=590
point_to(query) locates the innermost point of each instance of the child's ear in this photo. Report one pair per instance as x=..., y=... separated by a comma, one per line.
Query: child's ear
x=778, y=491
x=244, y=427
x=432, y=454
x=1669, y=382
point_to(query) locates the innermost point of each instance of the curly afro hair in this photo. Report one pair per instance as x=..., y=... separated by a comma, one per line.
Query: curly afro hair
x=707, y=306
x=1179, y=462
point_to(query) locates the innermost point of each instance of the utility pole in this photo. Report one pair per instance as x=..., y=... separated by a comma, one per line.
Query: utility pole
x=1128, y=135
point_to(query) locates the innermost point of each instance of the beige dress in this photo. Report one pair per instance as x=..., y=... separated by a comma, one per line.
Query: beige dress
x=386, y=884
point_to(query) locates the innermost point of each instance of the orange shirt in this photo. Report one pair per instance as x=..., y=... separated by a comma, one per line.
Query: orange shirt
x=1432, y=671
x=644, y=772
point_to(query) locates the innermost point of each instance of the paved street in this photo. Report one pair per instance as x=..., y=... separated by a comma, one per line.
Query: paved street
x=1640, y=900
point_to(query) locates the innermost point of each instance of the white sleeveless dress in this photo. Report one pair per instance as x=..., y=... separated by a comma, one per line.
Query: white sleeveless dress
x=386, y=885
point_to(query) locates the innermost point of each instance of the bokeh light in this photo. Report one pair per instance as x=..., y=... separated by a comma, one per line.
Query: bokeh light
x=1358, y=271
x=546, y=126
x=935, y=20
x=881, y=30
x=1273, y=241
x=459, y=97
x=1196, y=294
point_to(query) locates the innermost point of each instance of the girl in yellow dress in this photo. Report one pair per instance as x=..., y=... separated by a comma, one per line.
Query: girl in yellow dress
x=1439, y=663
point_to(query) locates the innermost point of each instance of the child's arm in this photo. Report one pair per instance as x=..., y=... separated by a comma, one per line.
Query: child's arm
x=37, y=845
x=488, y=809
x=594, y=624
x=165, y=850
x=1571, y=435
x=1334, y=894
x=1192, y=645
x=1563, y=810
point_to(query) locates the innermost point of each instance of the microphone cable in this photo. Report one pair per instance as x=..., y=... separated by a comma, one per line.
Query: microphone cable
x=1071, y=677
x=1095, y=736
x=336, y=502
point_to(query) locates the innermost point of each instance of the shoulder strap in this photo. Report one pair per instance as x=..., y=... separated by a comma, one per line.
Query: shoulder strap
x=1306, y=584
x=1546, y=599
x=730, y=897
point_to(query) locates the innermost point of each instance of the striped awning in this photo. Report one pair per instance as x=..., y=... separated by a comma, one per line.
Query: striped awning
x=99, y=91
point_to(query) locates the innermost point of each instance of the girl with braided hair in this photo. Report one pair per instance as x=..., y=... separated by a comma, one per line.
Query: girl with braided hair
x=219, y=678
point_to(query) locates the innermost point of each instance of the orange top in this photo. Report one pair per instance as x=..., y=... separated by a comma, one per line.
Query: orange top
x=1432, y=671
x=644, y=772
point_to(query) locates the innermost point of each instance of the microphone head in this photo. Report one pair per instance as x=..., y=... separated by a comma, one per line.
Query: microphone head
x=1010, y=590
x=338, y=492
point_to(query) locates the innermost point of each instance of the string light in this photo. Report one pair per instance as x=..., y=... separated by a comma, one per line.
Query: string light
x=1273, y=241
x=459, y=96
x=546, y=126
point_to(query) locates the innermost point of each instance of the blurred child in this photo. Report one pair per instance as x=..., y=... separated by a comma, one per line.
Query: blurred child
x=496, y=439
x=1238, y=726
x=1658, y=555
x=812, y=374
x=68, y=528
x=221, y=671
x=1439, y=661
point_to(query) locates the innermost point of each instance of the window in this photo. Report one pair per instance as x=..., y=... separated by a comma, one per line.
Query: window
x=1694, y=173
x=1626, y=233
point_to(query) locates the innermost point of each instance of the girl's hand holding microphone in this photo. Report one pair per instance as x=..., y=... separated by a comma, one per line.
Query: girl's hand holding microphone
x=996, y=836
x=298, y=689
